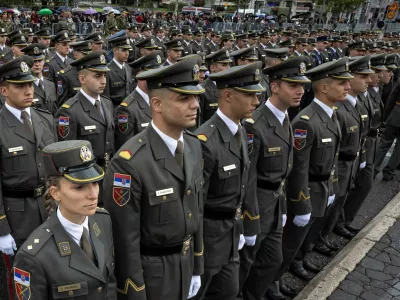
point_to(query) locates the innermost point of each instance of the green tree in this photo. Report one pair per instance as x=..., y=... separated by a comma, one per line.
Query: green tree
x=341, y=6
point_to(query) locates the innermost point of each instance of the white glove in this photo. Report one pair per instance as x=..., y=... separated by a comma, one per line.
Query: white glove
x=7, y=244
x=331, y=199
x=284, y=218
x=250, y=240
x=241, y=242
x=195, y=285
x=363, y=164
x=302, y=220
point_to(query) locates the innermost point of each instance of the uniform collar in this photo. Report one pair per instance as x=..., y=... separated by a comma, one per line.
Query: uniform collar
x=118, y=64
x=231, y=125
x=169, y=141
x=278, y=113
x=17, y=113
x=74, y=230
x=91, y=99
x=376, y=88
x=352, y=100
x=63, y=58
x=325, y=107
x=315, y=49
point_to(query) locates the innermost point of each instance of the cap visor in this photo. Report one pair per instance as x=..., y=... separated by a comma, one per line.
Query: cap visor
x=379, y=68
x=344, y=75
x=177, y=48
x=297, y=79
x=125, y=47
x=224, y=61
x=92, y=174
x=38, y=57
x=365, y=71
x=99, y=69
x=24, y=79
x=391, y=66
x=254, y=88
x=188, y=89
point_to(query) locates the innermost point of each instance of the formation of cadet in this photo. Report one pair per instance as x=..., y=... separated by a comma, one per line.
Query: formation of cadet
x=211, y=146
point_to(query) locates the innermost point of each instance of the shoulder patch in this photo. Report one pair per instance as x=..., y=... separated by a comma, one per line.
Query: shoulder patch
x=102, y=210
x=202, y=137
x=65, y=105
x=249, y=120
x=124, y=104
x=305, y=117
x=125, y=154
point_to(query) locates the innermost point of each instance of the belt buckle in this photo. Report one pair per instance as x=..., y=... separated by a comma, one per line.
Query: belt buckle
x=238, y=213
x=38, y=191
x=186, y=246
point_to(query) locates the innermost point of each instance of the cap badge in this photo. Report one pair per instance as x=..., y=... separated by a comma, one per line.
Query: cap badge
x=302, y=68
x=152, y=42
x=158, y=58
x=227, y=53
x=36, y=50
x=102, y=59
x=24, y=67
x=179, y=43
x=257, y=76
x=347, y=66
x=196, y=72
x=65, y=34
x=86, y=154
x=369, y=65
x=23, y=39
x=89, y=45
x=127, y=42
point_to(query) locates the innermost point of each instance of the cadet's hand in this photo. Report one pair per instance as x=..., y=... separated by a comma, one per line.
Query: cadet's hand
x=302, y=220
x=250, y=240
x=284, y=218
x=7, y=244
x=195, y=285
x=241, y=242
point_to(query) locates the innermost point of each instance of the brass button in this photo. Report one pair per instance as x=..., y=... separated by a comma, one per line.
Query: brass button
x=70, y=293
x=201, y=183
x=15, y=153
x=189, y=215
x=243, y=186
x=140, y=140
x=99, y=289
x=38, y=149
x=90, y=130
x=188, y=192
x=164, y=197
x=290, y=166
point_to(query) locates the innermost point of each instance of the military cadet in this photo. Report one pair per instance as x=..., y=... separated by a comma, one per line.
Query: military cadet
x=110, y=22
x=356, y=49
x=132, y=32
x=227, y=41
x=174, y=51
x=157, y=216
x=24, y=133
x=264, y=39
x=119, y=79
x=203, y=69
x=133, y=115
x=17, y=42
x=29, y=33
x=96, y=40
x=87, y=115
x=386, y=82
x=146, y=31
x=3, y=47
x=60, y=59
x=272, y=39
x=159, y=40
x=319, y=55
x=44, y=89
x=44, y=37
x=244, y=56
x=300, y=45
x=197, y=45
x=71, y=254
x=146, y=46
x=212, y=45
x=332, y=50
x=226, y=171
x=360, y=68
x=288, y=44
x=310, y=189
x=217, y=62
x=68, y=83
x=241, y=41
x=187, y=35
x=270, y=146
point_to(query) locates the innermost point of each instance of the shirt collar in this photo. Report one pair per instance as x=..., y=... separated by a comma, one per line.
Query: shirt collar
x=376, y=88
x=38, y=79
x=169, y=141
x=168, y=61
x=144, y=95
x=118, y=64
x=231, y=125
x=297, y=52
x=352, y=100
x=17, y=113
x=278, y=113
x=91, y=99
x=315, y=49
x=75, y=230
x=61, y=57
x=325, y=107
x=365, y=94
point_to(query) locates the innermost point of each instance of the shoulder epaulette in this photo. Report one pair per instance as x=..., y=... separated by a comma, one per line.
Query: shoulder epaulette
x=65, y=105
x=135, y=144
x=202, y=137
x=206, y=130
x=102, y=210
x=305, y=117
x=42, y=110
x=249, y=120
x=36, y=241
x=124, y=104
x=70, y=102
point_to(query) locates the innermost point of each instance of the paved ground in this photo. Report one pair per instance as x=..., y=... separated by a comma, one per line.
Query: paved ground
x=377, y=276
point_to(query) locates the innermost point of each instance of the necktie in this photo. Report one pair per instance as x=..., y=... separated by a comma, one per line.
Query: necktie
x=98, y=107
x=41, y=84
x=86, y=245
x=238, y=136
x=286, y=125
x=179, y=154
x=27, y=122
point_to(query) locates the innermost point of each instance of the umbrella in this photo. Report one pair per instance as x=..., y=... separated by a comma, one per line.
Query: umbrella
x=25, y=9
x=78, y=10
x=107, y=8
x=116, y=12
x=45, y=11
x=90, y=11
x=64, y=8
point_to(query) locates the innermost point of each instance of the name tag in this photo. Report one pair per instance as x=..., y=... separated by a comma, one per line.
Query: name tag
x=77, y=88
x=69, y=287
x=353, y=128
x=213, y=105
x=165, y=192
x=230, y=167
x=90, y=127
x=35, y=100
x=327, y=140
x=15, y=149
x=144, y=124
x=364, y=117
x=274, y=149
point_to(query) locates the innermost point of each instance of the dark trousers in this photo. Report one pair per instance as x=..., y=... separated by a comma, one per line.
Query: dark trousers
x=391, y=133
x=220, y=283
x=259, y=264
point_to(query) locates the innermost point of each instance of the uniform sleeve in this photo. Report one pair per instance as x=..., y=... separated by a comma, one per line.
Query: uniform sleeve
x=123, y=131
x=251, y=216
x=30, y=267
x=4, y=226
x=124, y=206
x=112, y=281
x=62, y=90
x=66, y=132
x=299, y=196
x=208, y=167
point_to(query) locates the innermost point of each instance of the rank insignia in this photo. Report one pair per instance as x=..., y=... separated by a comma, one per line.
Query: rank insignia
x=96, y=229
x=59, y=87
x=121, y=196
x=300, y=133
x=63, y=126
x=122, y=122
x=23, y=292
x=125, y=154
x=22, y=277
x=299, y=143
x=122, y=180
x=64, y=248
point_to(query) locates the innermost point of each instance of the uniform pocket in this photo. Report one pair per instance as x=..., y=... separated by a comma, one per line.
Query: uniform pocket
x=273, y=158
x=165, y=206
x=13, y=159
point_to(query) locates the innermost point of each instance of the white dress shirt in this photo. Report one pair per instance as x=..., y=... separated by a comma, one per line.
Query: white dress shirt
x=61, y=57
x=74, y=230
x=144, y=95
x=233, y=127
x=169, y=141
x=352, y=100
x=93, y=100
x=278, y=113
x=118, y=64
x=325, y=107
x=17, y=113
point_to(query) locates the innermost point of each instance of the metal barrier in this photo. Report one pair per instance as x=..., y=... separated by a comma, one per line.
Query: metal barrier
x=81, y=29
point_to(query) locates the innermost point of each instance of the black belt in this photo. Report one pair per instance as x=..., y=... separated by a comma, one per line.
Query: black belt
x=266, y=185
x=215, y=214
x=163, y=250
x=373, y=133
x=35, y=192
x=318, y=178
x=347, y=157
